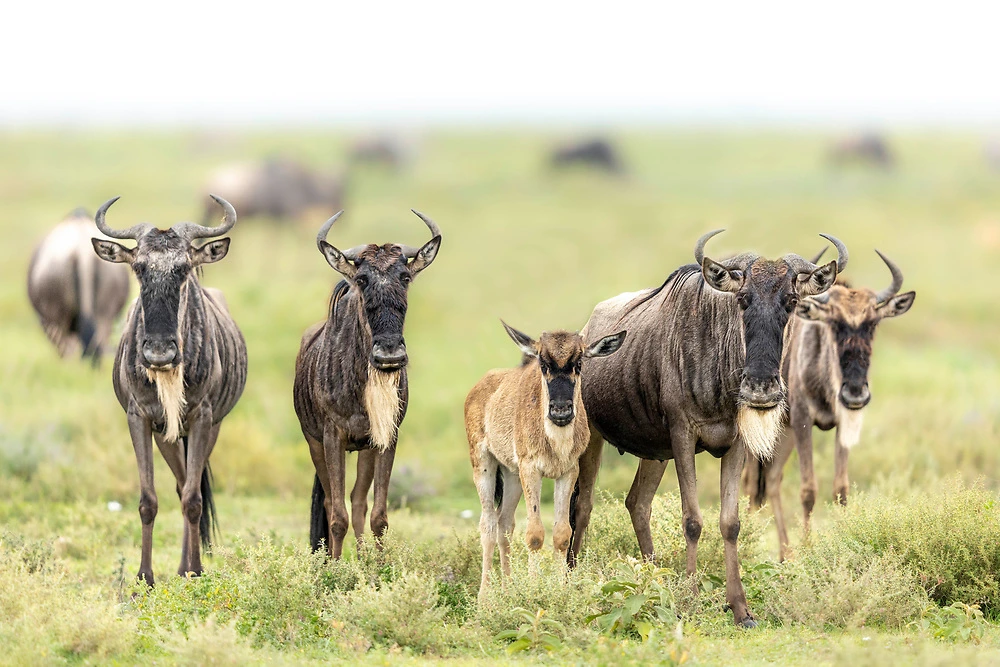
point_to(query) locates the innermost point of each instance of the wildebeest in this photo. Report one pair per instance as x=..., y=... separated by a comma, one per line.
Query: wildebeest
x=826, y=370
x=77, y=296
x=180, y=368
x=277, y=187
x=867, y=148
x=599, y=153
x=350, y=391
x=700, y=371
x=381, y=150
x=524, y=424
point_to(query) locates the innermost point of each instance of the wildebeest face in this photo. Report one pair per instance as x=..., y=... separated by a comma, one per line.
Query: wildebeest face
x=560, y=356
x=162, y=262
x=767, y=293
x=382, y=276
x=852, y=316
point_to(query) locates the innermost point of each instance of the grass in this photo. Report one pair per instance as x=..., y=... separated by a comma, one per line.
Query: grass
x=539, y=250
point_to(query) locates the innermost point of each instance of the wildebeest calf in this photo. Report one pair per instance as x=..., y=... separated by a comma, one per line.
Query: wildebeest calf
x=524, y=424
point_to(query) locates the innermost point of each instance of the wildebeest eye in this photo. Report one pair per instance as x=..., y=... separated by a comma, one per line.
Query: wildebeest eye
x=790, y=302
x=744, y=300
x=578, y=366
x=405, y=278
x=361, y=281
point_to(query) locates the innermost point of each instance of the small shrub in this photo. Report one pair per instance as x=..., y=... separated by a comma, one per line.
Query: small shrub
x=953, y=623
x=635, y=600
x=536, y=632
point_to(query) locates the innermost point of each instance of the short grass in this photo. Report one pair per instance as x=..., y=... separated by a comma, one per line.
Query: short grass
x=538, y=249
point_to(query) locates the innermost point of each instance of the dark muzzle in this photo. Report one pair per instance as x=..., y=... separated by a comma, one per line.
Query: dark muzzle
x=160, y=353
x=561, y=412
x=854, y=396
x=389, y=353
x=761, y=393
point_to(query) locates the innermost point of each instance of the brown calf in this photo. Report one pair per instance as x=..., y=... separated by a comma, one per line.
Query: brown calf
x=524, y=424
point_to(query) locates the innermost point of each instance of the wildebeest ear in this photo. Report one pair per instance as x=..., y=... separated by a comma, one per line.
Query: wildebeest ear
x=425, y=255
x=524, y=341
x=817, y=282
x=336, y=259
x=721, y=278
x=210, y=252
x=897, y=305
x=810, y=309
x=110, y=251
x=605, y=346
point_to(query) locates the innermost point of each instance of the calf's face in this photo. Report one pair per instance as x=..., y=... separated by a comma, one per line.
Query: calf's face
x=560, y=356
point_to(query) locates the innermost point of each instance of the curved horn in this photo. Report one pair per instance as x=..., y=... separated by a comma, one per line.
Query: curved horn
x=409, y=251
x=699, y=247
x=841, y=252
x=819, y=256
x=192, y=230
x=897, y=280
x=325, y=229
x=133, y=232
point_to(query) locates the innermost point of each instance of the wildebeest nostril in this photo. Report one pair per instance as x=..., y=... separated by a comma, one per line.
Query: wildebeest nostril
x=160, y=353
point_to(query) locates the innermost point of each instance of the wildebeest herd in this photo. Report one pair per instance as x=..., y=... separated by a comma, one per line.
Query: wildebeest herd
x=739, y=357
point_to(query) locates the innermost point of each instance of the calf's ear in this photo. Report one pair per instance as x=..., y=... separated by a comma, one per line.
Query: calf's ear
x=523, y=340
x=897, y=305
x=605, y=346
x=110, y=251
x=721, y=278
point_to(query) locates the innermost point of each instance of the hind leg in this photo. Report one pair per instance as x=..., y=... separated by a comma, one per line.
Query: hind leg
x=561, y=531
x=484, y=474
x=508, y=505
x=639, y=502
x=590, y=463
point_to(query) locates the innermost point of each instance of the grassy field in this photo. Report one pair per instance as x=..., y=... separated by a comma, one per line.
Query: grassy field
x=538, y=249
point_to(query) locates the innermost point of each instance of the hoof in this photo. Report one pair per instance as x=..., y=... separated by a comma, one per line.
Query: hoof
x=747, y=623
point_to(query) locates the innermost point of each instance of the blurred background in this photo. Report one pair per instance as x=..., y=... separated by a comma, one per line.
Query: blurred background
x=568, y=155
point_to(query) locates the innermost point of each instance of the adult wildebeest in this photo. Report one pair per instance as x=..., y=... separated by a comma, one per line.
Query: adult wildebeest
x=598, y=153
x=350, y=390
x=382, y=150
x=277, y=187
x=180, y=368
x=524, y=424
x=77, y=297
x=826, y=369
x=867, y=148
x=700, y=371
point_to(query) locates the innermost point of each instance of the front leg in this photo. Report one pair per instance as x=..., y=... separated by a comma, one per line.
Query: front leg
x=682, y=443
x=801, y=425
x=561, y=532
x=841, y=483
x=531, y=484
x=380, y=510
x=335, y=453
x=142, y=441
x=173, y=454
x=199, y=446
x=729, y=524
x=359, y=494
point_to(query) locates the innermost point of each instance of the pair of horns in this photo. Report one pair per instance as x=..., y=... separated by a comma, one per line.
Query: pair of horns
x=188, y=230
x=798, y=263
x=893, y=288
x=352, y=254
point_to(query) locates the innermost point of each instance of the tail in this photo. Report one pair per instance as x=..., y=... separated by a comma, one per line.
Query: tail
x=319, y=526
x=755, y=481
x=498, y=488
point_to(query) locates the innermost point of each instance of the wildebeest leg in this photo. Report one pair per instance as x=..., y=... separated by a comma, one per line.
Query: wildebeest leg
x=801, y=431
x=142, y=441
x=173, y=454
x=561, y=532
x=639, y=502
x=335, y=453
x=199, y=443
x=380, y=511
x=508, y=506
x=531, y=484
x=773, y=473
x=840, y=482
x=318, y=455
x=682, y=443
x=359, y=494
x=729, y=524
x=485, y=476
x=590, y=463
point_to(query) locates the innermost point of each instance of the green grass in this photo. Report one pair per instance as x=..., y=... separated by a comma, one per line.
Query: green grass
x=537, y=249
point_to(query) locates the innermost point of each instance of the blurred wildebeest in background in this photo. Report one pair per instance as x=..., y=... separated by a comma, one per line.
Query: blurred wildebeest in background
x=180, y=368
x=599, y=153
x=384, y=150
x=826, y=370
x=76, y=295
x=866, y=148
x=277, y=187
x=991, y=151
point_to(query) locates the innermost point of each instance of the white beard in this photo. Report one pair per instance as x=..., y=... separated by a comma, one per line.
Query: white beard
x=849, y=423
x=170, y=392
x=759, y=429
x=560, y=437
x=382, y=405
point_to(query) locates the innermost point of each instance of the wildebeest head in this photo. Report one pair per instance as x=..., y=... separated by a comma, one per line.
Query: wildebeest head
x=382, y=274
x=767, y=293
x=162, y=261
x=852, y=316
x=560, y=357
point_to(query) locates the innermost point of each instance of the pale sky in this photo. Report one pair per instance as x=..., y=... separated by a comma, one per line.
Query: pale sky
x=111, y=62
